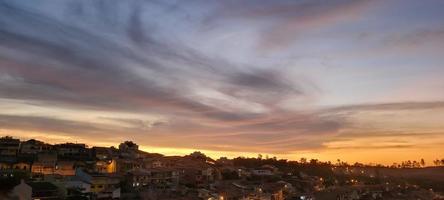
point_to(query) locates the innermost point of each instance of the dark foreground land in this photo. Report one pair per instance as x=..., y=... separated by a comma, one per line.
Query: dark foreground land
x=36, y=170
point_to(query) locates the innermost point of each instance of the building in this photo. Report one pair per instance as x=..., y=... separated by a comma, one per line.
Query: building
x=36, y=191
x=157, y=164
x=22, y=165
x=77, y=188
x=72, y=150
x=163, y=162
x=106, y=166
x=65, y=168
x=33, y=147
x=228, y=191
x=153, y=178
x=275, y=190
x=102, y=153
x=101, y=185
x=45, y=164
x=261, y=172
x=124, y=165
x=9, y=146
x=198, y=176
x=7, y=163
x=265, y=170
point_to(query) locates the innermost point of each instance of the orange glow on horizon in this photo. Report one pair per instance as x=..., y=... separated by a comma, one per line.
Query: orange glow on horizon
x=376, y=156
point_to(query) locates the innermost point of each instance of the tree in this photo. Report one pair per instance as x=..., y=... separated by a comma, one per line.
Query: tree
x=314, y=161
x=415, y=164
x=409, y=164
x=423, y=162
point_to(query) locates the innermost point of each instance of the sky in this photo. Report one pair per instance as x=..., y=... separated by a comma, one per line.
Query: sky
x=356, y=80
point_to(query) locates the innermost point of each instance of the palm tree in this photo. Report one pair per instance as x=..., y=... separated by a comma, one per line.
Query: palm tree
x=423, y=162
x=415, y=164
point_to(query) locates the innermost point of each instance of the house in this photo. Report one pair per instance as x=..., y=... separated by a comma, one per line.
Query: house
x=124, y=165
x=33, y=147
x=102, y=185
x=103, y=153
x=45, y=164
x=243, y=172
x=166, y=161
x=77, y=188
x=9, y=146
x=262, y=172
x=197, y=176
x=106, y=166
x=192, y=170
x=6, y=162
x=72, y=150
x=157, y=164
x=265, y=170
x=65, y=168
x=35, y=191
x=110, y=193
x=276, y=190
x=16, y=163
x=22, y=165
x=153, y=178
x=206, y=194
x=228, y=190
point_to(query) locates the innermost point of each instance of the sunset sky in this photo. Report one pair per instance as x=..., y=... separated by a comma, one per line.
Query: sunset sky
x=354, y=80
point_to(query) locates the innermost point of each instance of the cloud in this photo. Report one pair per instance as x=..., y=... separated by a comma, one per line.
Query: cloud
x=390, y=106
x=373, y=147
x=52, y=125
x=416, y=38
x=270, y=135
x=122, y=65
x=284, y=21
x=136, y=123
x=79, y=66
x=393, y=125
x=150, y=58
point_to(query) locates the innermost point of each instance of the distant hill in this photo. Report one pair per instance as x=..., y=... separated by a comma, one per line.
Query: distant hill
x=429, y=173
x=428, y=177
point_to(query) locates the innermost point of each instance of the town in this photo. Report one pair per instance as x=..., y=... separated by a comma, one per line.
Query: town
x=34, y=169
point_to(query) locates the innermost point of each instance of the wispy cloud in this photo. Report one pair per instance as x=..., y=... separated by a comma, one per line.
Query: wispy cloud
x=284, y=21
x=194, y=74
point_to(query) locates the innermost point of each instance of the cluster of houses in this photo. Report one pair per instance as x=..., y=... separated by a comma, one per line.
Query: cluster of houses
x=36, y=170
x=75, y=171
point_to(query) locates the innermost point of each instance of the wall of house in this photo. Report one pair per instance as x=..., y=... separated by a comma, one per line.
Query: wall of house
x=22, y=191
